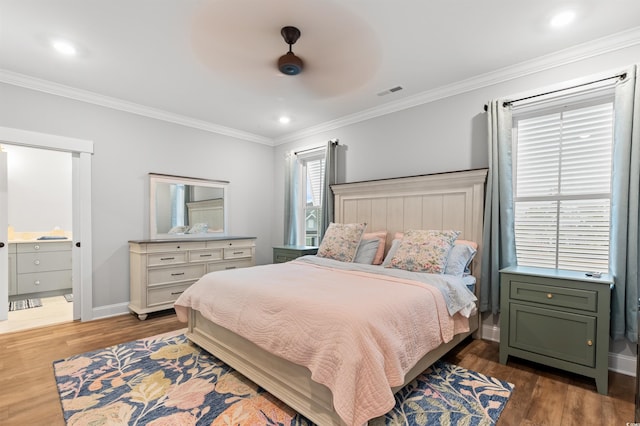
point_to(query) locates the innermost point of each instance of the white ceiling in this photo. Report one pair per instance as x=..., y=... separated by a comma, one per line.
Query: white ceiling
x=212, y=63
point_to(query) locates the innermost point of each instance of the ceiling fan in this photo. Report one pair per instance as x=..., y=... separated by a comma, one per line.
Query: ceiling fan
x=289, y=63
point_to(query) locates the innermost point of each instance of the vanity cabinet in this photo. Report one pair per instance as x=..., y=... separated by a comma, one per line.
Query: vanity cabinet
x=160, y=270
x=39, y=266
x=557, y=318
x=13, y=286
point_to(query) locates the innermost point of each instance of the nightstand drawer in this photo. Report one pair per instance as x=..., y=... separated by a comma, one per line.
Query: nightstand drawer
x=283, y=254
x=556, y=334
x=565, y=297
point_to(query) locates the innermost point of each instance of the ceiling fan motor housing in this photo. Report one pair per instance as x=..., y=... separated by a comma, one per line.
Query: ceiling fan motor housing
x=290, y=64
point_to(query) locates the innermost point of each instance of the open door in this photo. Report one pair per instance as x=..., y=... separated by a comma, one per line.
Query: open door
x=4, y=237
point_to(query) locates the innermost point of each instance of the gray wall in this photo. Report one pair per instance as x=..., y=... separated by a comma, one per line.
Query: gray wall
x=126, y=148
x=445, y=135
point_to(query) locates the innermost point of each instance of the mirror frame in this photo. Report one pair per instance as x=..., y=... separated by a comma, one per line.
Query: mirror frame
x=156, y=178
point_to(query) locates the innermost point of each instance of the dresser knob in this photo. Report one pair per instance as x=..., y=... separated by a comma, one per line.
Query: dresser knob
x=36, y=247
x=36, y=262
x=589, y=342
x=549, y=296
x=37, y=282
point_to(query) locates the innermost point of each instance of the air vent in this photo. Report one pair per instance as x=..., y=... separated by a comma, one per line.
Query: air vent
x=392, y=90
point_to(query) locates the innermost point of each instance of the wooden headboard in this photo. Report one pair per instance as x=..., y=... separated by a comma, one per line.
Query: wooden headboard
x=452, y=200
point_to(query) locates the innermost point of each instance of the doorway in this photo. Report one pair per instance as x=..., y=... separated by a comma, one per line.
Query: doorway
x=79, y=239
x=40, y=205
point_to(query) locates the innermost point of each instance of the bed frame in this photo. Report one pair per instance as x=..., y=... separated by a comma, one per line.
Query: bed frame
x=441, y=201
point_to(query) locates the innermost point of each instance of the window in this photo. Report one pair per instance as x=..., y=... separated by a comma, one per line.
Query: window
x=562, y=186
x=312, y=184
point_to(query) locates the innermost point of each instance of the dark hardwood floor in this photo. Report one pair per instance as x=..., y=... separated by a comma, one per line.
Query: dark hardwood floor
x=542, y=396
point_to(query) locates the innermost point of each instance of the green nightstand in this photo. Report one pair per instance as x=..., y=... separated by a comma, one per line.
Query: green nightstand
x=558, y=318
x=283, y=254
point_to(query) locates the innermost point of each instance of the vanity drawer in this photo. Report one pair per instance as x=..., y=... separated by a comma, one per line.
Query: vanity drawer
x=43, y=281
x=237, y=252
x=221, y=266
x=205, y=255
x=550, y=295
x=45, y=261
x=169, y=275
x=159, y=259
x=165, y=294
x=48, y=246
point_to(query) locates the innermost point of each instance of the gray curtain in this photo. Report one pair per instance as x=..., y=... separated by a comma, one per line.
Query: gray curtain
x=624, y=207
x=329, y=179
x=291, y=195
x=498, y=240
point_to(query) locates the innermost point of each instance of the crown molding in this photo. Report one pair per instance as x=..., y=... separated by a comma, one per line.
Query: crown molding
x=576, y=53
x=33, y=83
x=570, y=55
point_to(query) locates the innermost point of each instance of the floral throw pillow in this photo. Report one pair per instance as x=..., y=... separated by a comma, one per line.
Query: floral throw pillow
x=341, y=240
x=424, y=251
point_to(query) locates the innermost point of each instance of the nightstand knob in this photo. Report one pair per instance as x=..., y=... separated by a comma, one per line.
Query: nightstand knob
x=589, y=342
x=549, y=296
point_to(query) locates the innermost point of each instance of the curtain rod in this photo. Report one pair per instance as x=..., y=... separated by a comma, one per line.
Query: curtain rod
x=507, y=103
x=333, y=142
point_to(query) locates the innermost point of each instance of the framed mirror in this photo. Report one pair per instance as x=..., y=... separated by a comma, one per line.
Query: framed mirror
x=184, y=207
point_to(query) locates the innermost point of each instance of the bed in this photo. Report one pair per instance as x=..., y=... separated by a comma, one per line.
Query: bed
x=447, y=201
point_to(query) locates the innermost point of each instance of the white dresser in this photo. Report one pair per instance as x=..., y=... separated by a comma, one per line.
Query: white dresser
x=160, y=270
x=39, y=267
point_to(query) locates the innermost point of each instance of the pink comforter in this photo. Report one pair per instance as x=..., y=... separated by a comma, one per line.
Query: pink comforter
x=358, y=333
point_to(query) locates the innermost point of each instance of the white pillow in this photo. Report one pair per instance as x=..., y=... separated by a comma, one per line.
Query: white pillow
x=367, y=251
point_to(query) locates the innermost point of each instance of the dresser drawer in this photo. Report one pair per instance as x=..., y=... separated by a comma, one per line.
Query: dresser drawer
x=553, y=333
x=240, y=242
x=565, y=297
x=44, y=261
x=165, y=294
x=159, y=259
x=205, y=255
x=221, y=266
x=237, y=252
x=175, y=246
x=38, y=246
x=178, y=273
x=43, y=281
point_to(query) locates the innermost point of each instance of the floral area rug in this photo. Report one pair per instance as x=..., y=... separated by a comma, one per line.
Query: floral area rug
x=166, y=380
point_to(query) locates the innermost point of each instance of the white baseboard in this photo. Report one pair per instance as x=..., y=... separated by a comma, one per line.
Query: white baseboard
x=110, y=310
x=623, y=364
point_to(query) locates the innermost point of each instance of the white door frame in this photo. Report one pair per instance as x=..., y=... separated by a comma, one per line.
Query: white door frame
x=81, y=151
x=4, y=240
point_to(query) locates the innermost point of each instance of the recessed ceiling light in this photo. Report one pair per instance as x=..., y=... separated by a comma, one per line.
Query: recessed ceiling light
x=284, y=119
x=562, y=19
x=64, y=47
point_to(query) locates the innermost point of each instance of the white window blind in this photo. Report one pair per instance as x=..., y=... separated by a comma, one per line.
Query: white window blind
x=562, y=188
x=312, y=164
